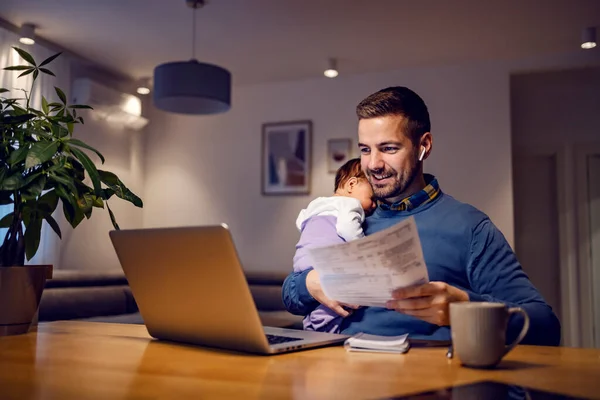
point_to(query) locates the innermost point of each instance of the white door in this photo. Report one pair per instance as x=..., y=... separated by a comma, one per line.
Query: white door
x=587, y=244
x=536, y=224
x=593, y=180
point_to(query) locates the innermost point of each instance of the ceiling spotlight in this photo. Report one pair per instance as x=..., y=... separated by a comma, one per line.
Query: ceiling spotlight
x=332, y=71
x=143, y=86
x=588, y=38
x=27, y=33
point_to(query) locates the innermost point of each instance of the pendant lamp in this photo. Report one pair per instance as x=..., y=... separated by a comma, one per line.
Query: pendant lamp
x=192, y=87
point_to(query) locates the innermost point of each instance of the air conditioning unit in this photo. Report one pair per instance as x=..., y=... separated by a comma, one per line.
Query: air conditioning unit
x=109, y=104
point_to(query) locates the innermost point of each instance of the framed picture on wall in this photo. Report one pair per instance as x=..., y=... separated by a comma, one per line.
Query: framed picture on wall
x=286, y=158
x=339, y=151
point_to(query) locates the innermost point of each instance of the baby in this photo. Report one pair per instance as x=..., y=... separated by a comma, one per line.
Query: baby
x=346, y=210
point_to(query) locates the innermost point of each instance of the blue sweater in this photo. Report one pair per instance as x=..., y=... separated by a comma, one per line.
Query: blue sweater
x=463, y=248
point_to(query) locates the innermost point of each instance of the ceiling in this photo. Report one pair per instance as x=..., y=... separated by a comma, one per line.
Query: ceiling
x=272, y=40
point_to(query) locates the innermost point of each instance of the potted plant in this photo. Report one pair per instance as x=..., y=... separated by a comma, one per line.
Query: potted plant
x=42, y=165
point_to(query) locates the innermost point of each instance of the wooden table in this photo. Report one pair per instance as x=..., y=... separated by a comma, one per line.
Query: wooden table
x=65, y=360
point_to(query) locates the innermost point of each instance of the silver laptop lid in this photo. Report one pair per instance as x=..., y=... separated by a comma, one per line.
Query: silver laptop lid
x=190, y=286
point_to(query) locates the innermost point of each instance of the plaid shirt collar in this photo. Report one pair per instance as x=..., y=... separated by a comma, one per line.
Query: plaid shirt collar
x=424, y=196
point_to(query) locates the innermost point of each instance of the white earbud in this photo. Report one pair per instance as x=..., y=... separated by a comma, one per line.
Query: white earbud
x=422, y=153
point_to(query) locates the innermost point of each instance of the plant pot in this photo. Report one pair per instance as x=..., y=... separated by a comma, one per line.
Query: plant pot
x=20, y=293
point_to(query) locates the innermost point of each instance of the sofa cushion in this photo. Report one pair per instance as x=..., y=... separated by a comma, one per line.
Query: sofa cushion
x=74, y=278
x=133, y=318
x=265, y=277
x=82, y=302
x=104, y=296
x=281, y=319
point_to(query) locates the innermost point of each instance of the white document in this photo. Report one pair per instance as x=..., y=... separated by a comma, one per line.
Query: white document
x=375, y=343
x=367, y=270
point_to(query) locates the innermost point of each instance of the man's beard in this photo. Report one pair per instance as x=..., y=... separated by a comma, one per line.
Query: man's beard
x=401, y=182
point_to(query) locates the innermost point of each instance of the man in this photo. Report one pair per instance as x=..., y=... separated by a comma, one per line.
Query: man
x=467, y=257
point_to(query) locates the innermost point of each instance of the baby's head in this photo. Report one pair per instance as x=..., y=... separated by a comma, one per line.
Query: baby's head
x=351, y=181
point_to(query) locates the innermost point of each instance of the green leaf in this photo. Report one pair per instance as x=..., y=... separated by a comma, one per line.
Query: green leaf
x=3, y=90
x=47, y=71
x=81, y=106
x=79, y=143
x=61, y=95
x=48, y=202
x=45, y=107
x=3, y=173
x=17, y=68
x=78, y=170
x=26, y=72
x=107, y=193
x=89, y=167
x=98, y=202
x=26, y=214
x=32, y=237
x=13, y=182
x=70, y=127
x=50, y=59
x=18, y=156
x=18, y=110
x=17, y=119
x=41, y=152
x=114, y=183
x=64, y=181
x=25, y=55
x=7, y=220
x=34, y=189
x=32, y=177
x=112, y=218
x=86, y=204
x=53, y=224
x=35, y=74
x=59, y=131
x=72, y=212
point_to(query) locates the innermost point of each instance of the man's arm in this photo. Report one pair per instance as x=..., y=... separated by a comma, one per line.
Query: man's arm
x=296, y=297
x=302, y=293
x=496, y=275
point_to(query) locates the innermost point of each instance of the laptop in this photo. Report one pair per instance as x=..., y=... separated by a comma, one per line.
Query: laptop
x=190, y=287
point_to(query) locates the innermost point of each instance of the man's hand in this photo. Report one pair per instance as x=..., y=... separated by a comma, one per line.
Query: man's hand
x=313, y=284
x=429, y=302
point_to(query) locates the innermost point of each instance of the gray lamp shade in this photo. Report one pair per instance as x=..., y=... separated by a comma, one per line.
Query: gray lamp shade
x=190, y=87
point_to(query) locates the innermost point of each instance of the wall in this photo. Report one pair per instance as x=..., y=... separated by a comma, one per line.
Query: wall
x=555, y=116
x=88, y=246
x=551, y=109
x=204, y=170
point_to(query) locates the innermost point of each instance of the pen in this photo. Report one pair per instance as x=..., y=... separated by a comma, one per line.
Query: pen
x=450, y=352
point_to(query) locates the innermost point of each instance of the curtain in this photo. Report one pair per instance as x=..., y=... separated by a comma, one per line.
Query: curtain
x=49, y=250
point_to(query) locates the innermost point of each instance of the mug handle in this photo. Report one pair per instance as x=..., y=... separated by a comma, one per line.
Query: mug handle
x=518, y=310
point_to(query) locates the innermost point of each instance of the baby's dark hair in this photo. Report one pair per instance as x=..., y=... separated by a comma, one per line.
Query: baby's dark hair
x=351, y=169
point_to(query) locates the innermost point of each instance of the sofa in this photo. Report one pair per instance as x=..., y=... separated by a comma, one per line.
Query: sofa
x=105, y=296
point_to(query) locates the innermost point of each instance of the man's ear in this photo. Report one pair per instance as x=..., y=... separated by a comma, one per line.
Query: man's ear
x=426, y=143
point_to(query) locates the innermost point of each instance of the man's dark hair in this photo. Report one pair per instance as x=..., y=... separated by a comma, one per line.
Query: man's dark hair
x=351, y=169
x=398, y=100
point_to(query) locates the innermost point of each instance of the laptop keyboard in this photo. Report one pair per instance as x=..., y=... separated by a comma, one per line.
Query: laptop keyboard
x=276, y=339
